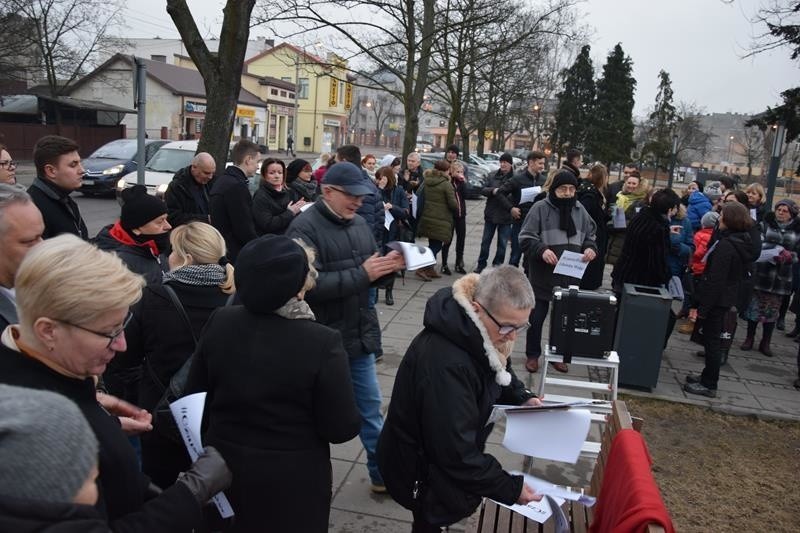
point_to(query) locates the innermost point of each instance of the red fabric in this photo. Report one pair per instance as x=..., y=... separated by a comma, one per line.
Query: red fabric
x=119, y=234
x=320, y=173
x=701, y=238
x=629, y=498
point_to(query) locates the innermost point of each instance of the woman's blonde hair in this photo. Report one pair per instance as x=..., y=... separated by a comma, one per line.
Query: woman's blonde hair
x=205, y=246
x=759, y=189
x=68, y=279
x=455, y=166
x=311, y=254
x=550, y=177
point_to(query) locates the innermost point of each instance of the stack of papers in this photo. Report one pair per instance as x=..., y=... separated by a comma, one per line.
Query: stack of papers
x=416, y=256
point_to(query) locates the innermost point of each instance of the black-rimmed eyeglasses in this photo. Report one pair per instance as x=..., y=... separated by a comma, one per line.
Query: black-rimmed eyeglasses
x=114, y=335
x=503, y=329
x=8, y=163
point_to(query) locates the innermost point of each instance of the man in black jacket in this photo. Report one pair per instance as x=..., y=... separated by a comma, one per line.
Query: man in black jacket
x=496, y=215
x=348, y=264
x=431, y=450
x=58, y=173
x=511, y=197
x=230, y=204
x=187, y=193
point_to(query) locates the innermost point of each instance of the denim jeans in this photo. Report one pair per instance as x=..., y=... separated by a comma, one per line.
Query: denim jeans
x=516, y=251
x=368, y=400
x=533, y=338
x=503, y=233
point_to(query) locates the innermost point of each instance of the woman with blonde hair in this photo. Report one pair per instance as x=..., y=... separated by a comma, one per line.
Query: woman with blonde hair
x=163, y=332
x=756, y=201
x=73, y=301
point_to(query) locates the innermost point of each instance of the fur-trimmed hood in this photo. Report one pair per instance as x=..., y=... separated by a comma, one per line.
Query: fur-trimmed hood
x=450, y=313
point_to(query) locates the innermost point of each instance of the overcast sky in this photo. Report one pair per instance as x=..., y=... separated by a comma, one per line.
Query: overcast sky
x=701, y=43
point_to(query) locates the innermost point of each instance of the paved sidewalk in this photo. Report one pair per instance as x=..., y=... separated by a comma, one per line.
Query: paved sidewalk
x=750, y=384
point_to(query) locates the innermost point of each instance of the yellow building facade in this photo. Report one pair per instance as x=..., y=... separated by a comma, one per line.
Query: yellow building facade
x=323, y=96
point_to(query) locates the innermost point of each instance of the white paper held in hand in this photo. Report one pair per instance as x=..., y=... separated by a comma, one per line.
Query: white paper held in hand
x=388, y=218
x=557, y=435
x=188, y=414
x=528, y=194
x=571, y=264
x=416, y=256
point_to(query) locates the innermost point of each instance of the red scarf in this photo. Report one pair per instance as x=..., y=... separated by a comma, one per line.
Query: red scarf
x=120, y=235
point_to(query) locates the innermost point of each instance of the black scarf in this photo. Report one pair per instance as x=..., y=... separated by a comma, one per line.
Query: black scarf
x=565, y=206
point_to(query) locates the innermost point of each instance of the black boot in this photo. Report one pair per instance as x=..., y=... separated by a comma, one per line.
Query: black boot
x=764, y=348
x=460, y=265
x=445, y=270
x=795, y=330
x=751, y=333
x=389, y=297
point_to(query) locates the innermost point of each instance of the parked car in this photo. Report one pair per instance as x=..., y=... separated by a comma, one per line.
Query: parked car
x=476, y=176
x=423, y=147
x=112, y=161
x=491, y=166
x=519, y=164
x=160, y=168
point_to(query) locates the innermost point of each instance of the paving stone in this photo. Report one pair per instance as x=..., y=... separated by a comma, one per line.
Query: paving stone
x=342, y=521
x=355, y=495
x=347, y=451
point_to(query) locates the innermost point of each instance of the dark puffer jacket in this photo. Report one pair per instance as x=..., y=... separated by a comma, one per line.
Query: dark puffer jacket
x=725, y=272
x=512, y=188
x=440, y=207
x=270, y=209
x=231, y=208
x=139, y=258
x=186, y=199
x=498, y=209
x=372, y=209
x=340, y=297
x=436, y=428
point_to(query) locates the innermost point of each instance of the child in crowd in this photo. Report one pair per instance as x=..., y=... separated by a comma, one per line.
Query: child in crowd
x=697, y=263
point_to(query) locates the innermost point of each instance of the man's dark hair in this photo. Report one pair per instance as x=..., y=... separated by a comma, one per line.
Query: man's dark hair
x=533, y=156
x=631, y=164
x=635, y=174
x=572, y=154
x=49, y=148
x=728, y=183
x=349, y=152
x=740, y=196
x=736, y=216
x=442, y=165
x=242, y=149
x=663, y=200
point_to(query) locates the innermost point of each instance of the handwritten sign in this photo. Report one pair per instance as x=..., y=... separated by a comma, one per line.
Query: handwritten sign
x=571, y=264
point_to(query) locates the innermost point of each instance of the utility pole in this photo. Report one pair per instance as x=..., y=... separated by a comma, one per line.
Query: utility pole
x=139, y=85
x=672, y=162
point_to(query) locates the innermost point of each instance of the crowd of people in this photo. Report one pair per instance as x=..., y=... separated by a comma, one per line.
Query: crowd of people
x=267, y=303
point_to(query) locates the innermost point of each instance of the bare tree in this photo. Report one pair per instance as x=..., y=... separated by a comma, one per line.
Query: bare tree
x=375, y=36
x=221, y=71
x=693, y=139
x=55, y=42
x=751, y=148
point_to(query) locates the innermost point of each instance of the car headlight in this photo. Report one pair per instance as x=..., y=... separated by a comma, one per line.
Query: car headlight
x=161, y=189
x=122, y=185
x=116, y=169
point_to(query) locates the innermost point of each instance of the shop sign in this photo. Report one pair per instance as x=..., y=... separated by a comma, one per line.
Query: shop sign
x=195, y=107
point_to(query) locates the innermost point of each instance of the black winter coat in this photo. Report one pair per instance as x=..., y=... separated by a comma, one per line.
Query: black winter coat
x=644, y=255
x=28, y=516
x=512, y=188
x=270, y=209
x=279, y=391
x=159, y=342
x=372, y=209
x=59, y=210
x=726, y=267
x=121, y=485
x=231, y=209
x=594, y=203
x=138, y=259
x=498, y=209
x=186, y=199
x=340, y=298
x=435, y=431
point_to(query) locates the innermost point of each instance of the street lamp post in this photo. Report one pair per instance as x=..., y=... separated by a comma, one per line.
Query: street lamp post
x=730, y=150
x=536, y=110
x=672, y=161
x=775, y=161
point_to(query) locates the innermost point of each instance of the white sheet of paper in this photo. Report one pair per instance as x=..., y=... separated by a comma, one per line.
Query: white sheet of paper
x=619, y=217
x=306, y=206
x=570, y=264
x=416, y=256
x=188, y=414
x=413, y=205
x=388, y=218
x=528, y=194
x=753, y=214
x=769, y=255
x=542, y=486
x=537, y=511
x=556, y=435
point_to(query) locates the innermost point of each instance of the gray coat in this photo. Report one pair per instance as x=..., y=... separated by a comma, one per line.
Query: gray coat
x=540, y=231
x=340, y=298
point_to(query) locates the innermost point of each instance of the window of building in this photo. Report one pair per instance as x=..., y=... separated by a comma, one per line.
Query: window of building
x=291, y=96
x=283, y=93
x=273, y=92
x=302, y=93
x=158, y=57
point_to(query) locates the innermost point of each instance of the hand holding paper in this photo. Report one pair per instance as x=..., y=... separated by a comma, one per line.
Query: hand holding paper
x=571, y=264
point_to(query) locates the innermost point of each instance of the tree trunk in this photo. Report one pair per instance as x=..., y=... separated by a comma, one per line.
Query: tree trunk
x=222, y=78
x=420, y=78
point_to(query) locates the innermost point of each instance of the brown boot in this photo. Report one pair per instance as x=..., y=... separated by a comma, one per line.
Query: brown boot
x=764, y=348
x=422, y=274
x=431, y=273
x=747, y=344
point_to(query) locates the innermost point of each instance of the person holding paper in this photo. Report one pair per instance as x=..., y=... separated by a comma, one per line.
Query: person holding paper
x=279, y=391
x=431, y=451
x=274, y=204
x=531, y=176
x=553, y=225
x=73, y=302
x=395, y=202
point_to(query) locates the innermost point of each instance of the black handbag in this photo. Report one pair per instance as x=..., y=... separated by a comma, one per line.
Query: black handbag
x=726, y=336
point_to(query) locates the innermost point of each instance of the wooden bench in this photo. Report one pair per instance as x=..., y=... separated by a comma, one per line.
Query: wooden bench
x=493, y=518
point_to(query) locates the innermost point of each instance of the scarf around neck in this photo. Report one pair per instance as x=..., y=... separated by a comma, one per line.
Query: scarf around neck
x=564, y=206
x=198, y=275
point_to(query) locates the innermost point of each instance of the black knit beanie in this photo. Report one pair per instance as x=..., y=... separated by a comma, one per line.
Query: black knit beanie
x=293, y=169
x=139, y=208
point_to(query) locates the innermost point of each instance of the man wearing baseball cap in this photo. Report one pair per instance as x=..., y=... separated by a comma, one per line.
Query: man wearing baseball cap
x=348, y=264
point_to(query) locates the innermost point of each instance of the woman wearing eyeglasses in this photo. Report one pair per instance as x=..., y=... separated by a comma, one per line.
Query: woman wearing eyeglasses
x=8, y=167
x=73, y=302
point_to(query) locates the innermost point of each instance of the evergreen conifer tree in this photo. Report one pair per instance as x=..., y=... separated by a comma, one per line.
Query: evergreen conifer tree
x=611, y=135
x=575, y=103
x=662, y=121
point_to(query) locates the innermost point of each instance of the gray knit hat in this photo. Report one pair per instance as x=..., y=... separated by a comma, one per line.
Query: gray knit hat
x=709, y=220
x=47, y=448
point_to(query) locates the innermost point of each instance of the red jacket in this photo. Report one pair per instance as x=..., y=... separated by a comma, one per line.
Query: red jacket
x=701, y=238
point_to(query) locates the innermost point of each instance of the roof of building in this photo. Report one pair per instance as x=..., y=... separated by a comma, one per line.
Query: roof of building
x=28, y=104
x=293, y=48
x=181, y=81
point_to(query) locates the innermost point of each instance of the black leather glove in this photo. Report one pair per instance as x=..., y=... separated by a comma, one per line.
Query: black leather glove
x=207, y=476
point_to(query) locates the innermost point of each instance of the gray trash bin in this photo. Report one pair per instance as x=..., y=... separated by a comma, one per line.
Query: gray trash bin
x=639, y=338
